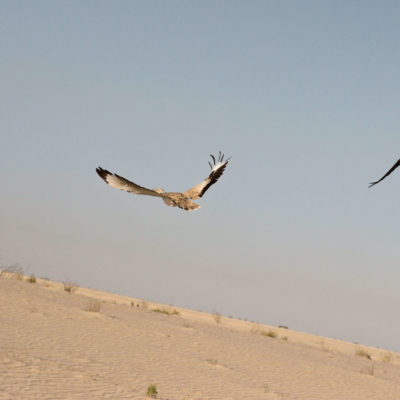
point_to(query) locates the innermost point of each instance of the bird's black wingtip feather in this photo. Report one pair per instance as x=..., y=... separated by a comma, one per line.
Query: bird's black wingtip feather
x=213, y=158
x=102, y=172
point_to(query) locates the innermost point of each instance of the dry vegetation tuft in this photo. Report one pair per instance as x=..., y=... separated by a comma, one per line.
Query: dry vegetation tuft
x=70, y=286
x=270, y=333
x=93, y=305
x=14, y=271
x=152, y=391
x=162, y=311
x=362, y=353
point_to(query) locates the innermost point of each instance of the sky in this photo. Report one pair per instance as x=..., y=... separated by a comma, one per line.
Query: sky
x=303, y=95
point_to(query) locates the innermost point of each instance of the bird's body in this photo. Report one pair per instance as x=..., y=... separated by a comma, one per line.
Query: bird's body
x=387, y=173
x=172, y=199
x=179, y=200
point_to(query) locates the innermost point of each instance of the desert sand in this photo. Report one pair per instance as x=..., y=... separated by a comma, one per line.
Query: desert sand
x=90, y=344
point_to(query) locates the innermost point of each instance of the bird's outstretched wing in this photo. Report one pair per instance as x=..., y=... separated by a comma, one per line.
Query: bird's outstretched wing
x=387, y=173
x=217, y=169
x=121, y=183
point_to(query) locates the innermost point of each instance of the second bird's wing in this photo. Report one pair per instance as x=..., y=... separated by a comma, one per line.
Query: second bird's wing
x=387, y=173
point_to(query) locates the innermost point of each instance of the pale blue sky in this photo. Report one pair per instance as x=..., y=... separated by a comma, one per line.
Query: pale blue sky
x=304, y=95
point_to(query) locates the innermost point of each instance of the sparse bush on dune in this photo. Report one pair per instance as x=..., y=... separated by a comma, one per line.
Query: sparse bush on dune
x=93, y=306
x=70, y=286
x=14, y=271
x=31, y=279
x=152, y=391
x=362, y=353
x=270, y=334
x=161, y=311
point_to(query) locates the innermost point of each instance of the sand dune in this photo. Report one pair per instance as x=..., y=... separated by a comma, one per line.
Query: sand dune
x=54, y=347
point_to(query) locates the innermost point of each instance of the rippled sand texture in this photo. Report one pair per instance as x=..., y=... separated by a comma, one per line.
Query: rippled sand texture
x=52, y=347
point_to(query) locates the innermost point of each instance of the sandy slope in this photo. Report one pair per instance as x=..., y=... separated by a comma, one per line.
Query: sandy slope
x=51, y=348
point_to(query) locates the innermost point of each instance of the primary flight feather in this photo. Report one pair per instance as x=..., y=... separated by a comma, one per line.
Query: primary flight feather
x=172, y=199
x=387, y=173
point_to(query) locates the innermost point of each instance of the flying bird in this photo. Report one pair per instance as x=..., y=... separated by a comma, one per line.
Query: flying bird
x=172, y=199
x=387, y=173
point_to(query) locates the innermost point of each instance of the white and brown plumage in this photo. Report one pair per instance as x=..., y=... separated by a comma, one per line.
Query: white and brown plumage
x=172, y=199
x=387, y=173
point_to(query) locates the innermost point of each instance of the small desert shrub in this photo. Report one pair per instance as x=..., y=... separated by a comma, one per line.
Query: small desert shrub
x=270, y=334
x=212, y=361
x=70, y=287
x=217, y=316
x=158, y=310
x=152, y=391
x=93, y=306
x=31, y=279
x=362, y=353
x=13, y=271
x=173, y=312
x=387, y=357
x=284, y=338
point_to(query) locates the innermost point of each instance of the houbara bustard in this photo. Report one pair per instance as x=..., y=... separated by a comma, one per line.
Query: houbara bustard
x=387, y=173
x=172, y=199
